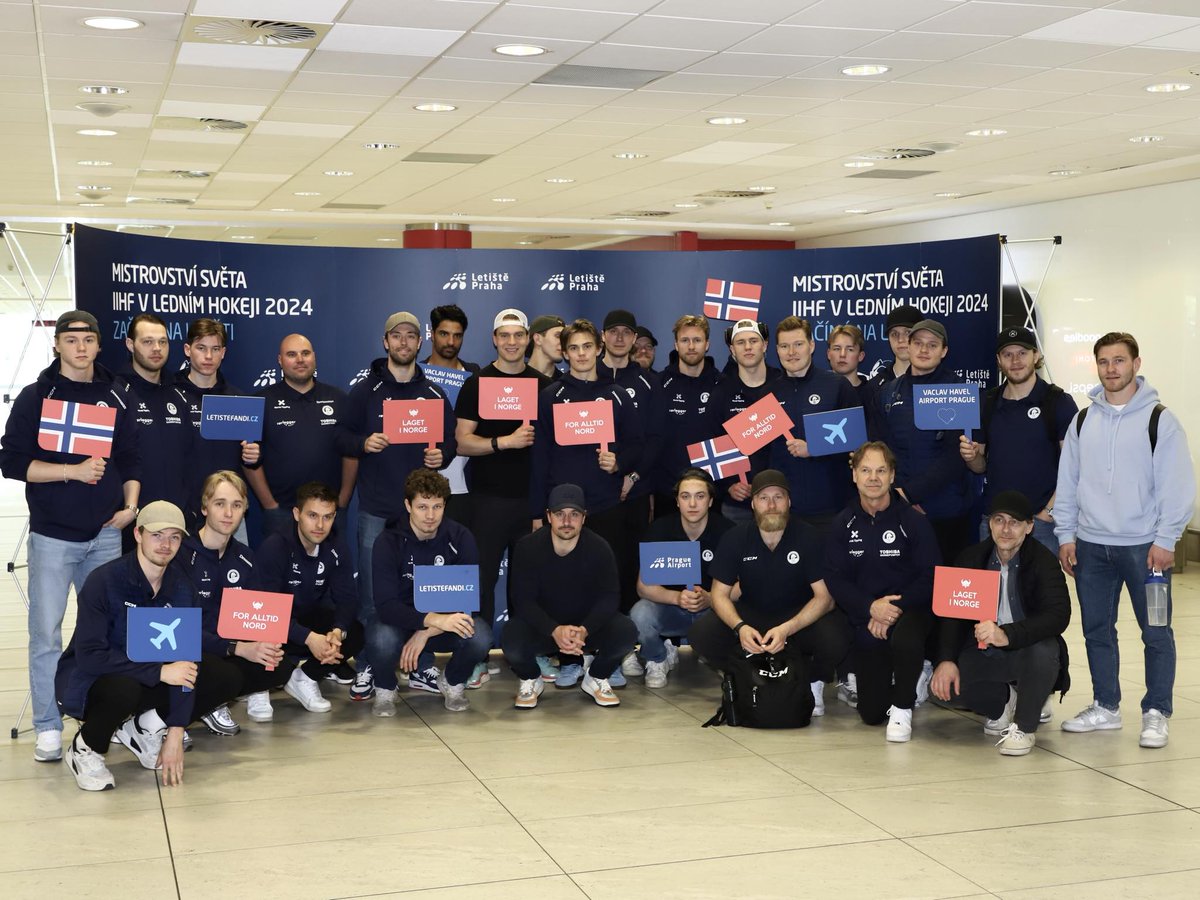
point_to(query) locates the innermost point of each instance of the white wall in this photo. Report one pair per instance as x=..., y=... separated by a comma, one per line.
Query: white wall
x=1129, y=261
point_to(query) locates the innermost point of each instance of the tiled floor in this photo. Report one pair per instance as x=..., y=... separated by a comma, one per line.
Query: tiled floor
x=571, y=800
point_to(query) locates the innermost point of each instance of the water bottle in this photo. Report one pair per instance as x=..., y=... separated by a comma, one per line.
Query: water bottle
x=1156, y=598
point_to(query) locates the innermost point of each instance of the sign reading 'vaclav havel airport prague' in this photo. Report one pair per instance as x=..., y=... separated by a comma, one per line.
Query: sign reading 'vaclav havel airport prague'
x=340, y=297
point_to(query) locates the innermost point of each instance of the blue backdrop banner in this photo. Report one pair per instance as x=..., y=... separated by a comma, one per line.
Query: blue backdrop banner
x=340, y=297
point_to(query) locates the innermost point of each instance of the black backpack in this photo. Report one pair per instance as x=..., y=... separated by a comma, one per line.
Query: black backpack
x=765, y=691
x=1151, y=426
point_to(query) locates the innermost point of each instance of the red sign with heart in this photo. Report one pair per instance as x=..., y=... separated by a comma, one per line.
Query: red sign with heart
x=584, y=423
x=414, y=421
x=508, y=398
x=759, y=424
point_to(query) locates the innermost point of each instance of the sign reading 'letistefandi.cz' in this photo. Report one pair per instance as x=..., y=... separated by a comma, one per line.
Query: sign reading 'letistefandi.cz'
x=759, y=424
x=445, y=589
x=584, y=423
x=231, y=418
x=670, y=562
x=508, y=398
x=938, y=407
x=414, y=421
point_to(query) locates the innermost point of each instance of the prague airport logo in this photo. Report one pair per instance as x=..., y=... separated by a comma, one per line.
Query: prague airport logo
x=555, y=283
x=457, y=282
x=362, y=373
x=477, y=281
x=562, y=281
x=268, y=377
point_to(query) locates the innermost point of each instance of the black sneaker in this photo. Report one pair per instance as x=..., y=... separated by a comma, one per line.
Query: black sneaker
x=343, y=674
x=219, y=721
x=364, y=685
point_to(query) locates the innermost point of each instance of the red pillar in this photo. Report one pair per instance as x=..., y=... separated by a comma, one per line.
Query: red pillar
x=686, y=240
x=437, y=236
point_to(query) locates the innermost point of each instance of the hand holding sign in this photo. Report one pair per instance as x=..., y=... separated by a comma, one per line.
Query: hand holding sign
x=258, y=616
x=508, y=398
x=759, y=424
x=414, y=421
x=838, y=431
x=584, y=423
x=164, y=634
x=938, y=407
x=966, y=593
x=670, y=562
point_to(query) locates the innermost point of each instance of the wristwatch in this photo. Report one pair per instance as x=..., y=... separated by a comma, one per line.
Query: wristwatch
x=133, y=509
x=495, y=444
x=231, y=649
x=634, y=477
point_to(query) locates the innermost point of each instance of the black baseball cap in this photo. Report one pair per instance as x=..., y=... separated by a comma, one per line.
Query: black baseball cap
x=769, y=478
x=542, y=324
x=567, y=496
x=71, y=319
x=618, y=317
x=907, y=316
x=644, y=332
x=1022, y=337
x=1014, y=503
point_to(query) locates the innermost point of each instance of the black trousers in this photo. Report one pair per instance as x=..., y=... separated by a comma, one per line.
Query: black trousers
x=824, y=643
x=497, y=523
x=888, y=670
x=114, y=698
x=252, y=678
x=954, y=535
x=610, y=642
x=322, y=621
x=622, y=527
x=986, y=675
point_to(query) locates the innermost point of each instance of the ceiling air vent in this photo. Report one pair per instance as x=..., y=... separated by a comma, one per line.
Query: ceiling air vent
x=261, y=32
x=733, y=195
x=174, y=173
x=642, y=214
x=462, y=159
x=893, y=174
x=183, y=123
x=352, y=206
x=897, y=153
x=164, y=201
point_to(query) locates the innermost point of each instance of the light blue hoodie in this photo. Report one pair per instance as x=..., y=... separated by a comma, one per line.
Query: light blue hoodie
x=1111, y=489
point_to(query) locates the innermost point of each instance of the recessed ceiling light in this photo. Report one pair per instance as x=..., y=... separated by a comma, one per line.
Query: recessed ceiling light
x=727, y=120
x=387, y=240
x=864, y=69
x=687, y=205
x=987, y=132
x=856, y=211
x=765, y=188
x=93, y=187
x=519, y=50
x=89, y=204
x=504, y=199
x=858, y=164
x=306, y=193
x=1170, y=87
x=103, y=89
x=241, y=237
x=560, y=181
x=112, y=23
x=93, y=162
x=1063, y=173
x=338, y=173
x=95, y=132
x=948, y=195
x=435, y=107
x=282, y=209
x=524, y=243
x=628, y=154
x=780, y=224
x=380, y=145
x=1146, y=139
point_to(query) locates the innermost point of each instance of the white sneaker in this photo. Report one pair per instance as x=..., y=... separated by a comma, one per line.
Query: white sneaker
x=996, y=727
x=528, y=692
x=847, y=691
x=1094, y=718
x=656, y=674
x=49, y=747
x=818, y=692
x=307, y=692
x=600, y=690
x=899, y=726
x=88, y=767
x=923, y=684
x=630, y=667
x=1154, y=730
x=259, y=708
x=455, y=695
x=1015, y=742
x=1047, y=710
x=143, y=742
x=383, y=704
x=672, y=655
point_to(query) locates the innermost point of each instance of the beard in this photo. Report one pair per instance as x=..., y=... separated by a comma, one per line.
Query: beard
x=771, y=521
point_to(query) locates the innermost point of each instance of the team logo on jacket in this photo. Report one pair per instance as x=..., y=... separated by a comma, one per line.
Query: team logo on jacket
x=793, y=557
x=320, y=568
x=234, y=576
x=1034, y=412
x=171, y=409
x=439, y=560
x=814, y=399
x=889, y=537
x=707, y=555
x=704, y=397
x=327, y=409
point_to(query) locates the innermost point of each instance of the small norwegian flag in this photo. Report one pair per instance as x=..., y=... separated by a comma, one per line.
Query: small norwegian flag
x=720, y=458
x=731, y=300
x=82, y=428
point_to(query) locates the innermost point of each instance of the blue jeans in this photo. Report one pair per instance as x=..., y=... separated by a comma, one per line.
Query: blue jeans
x=369, y=528
x=1100, y=570
x=656, y=619
x=54, y=566
x=384, y=643
x=1043, y=533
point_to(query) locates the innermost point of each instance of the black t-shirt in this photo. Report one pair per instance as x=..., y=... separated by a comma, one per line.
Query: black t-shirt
x=777, y=582
x=503, y=474
x=670, y=528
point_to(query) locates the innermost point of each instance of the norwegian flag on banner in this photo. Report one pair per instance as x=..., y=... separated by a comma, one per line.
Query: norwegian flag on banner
x=82, y=428
x=720, y=458
x=731, y=300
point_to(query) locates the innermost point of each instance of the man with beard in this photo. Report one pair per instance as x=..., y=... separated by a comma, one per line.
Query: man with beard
x=299, y=442
x=165, y=432
x=382, y=466
x=565, y=600
x=784, y=607
x=689, y=384
x=545, y=350
x=449, y=327
x=644, y=348
x=1023, y=424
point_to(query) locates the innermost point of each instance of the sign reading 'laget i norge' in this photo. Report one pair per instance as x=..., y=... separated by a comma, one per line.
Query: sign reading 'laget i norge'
x=414, y=421
x=508, y=398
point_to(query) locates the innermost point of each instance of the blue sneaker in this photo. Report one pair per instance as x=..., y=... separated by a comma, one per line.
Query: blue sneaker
x=549, y=669
x=568, y=676
x=424, y=680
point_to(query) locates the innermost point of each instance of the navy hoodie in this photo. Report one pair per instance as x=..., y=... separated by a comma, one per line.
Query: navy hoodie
x=211, y=574
x=928, y=466
x=381, y=475
x=165, y=435
x=324, y=581
x=820, y=485
x=70, y=510
x=644, y=389
x=397, y=551
x=732, y=397
x=98, y=645
x=208, y=456
x=686, y=419
x=576, y=464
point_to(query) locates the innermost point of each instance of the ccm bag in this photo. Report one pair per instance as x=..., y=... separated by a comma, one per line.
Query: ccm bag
x=765, y=691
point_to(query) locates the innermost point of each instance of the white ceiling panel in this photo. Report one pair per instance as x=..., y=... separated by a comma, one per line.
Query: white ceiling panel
x=582, y=97
x=966, y=73
x=1188, y=39
x=160, y=26
x=310, y=100
x=494, y=69
x=808, y=41
x=1138, y=61
x=302, y=129
x=211, y=110
x=717, y=85
x=763, y=11
x=339, y=62
x=391, y=41
x=927, y=45
x=194, y=137
x=632, y=57
x=725, y=152
x=367, y=85
x=1040, y=53
x=877, y=13
x=1113, y=27
x=683, y=33
x=441, y=89
x=279, y=59
x=756, y=64
x=280, y=10
x=549, y=22
x=224, y=78
x=994, y=18
x=456, y=16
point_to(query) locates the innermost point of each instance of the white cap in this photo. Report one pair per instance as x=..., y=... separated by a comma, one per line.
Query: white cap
x=510, y=314
x=744, y=325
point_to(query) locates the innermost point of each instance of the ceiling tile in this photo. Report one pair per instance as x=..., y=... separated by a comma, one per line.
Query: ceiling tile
x=302, y=129
x=1188, y=39
x=222, y=78
x=807, y=41
x=927, y=45
x=457, y=16
x=548, y=22
x=494, y=69
x=775, y=65
x=342, y=62
x=965, y=73
x=392, y=41
x=279, y=10
x=763, y=11
x=442, y=89
x=878, y=13
x=1039, y=53
x=280, y=59
x=211, y=110
x=368, y=85
x=725, y=152
x=1001, y=19
x=1113, y=27
x=630, y=57
x=1138, y=61
x=683, y=33
x=693, y=83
